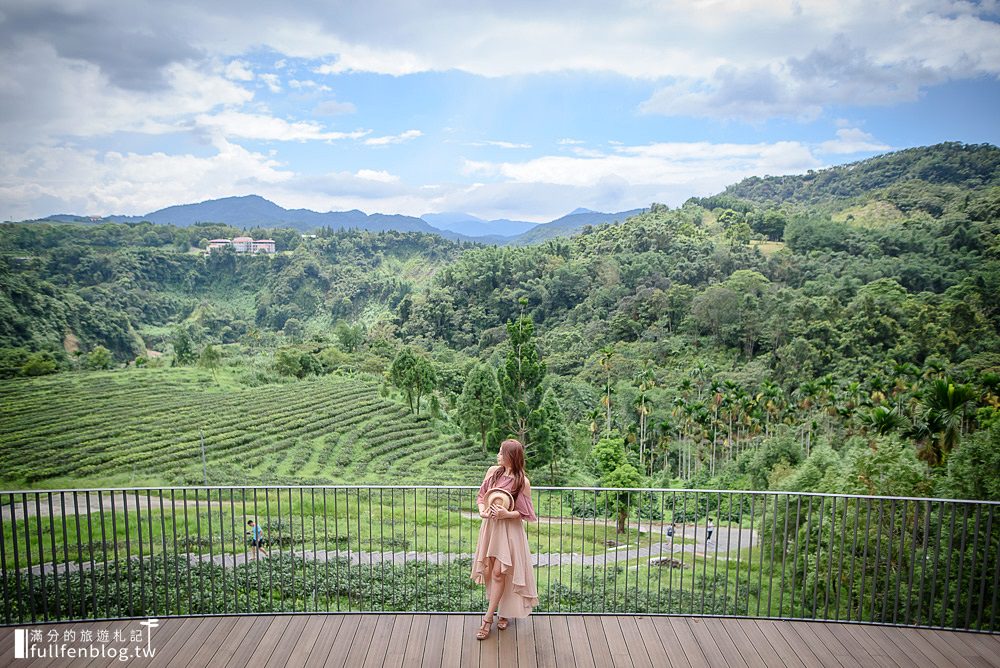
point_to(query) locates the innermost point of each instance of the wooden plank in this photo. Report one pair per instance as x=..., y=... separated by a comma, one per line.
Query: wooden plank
x=896, y=643
x=959, y=642
x=7, y=641
x=858, y=638
x=709, y=645
x=654, y=647
x=342, y=643
x=415, y=641
x=290, y=637
x=379, y=645
x=269, y=639
x=634, y=642
x=863, y=647
x=823, y=642
x=763, y=631
x=470, y=646
x=686, y=641
x=489, y=649
x=580, y=641
x=355, y=654
x=754, y=655
x=307, y=640
x=987, y=646
x=434, y=645
x=525, y=629
x=223, y=628
x=615, y=639
x=161, y=636
x=545, y=652
x=598, y=641
x=919, y=643
x=787, y=630
x=453, y=640
x=399, y=637
x=956, y=644
x=562, y=650
x=325, y=640
x=953, y=657
x=248, y=629
x=913, y=656
x=507, y=645
x=183, y=633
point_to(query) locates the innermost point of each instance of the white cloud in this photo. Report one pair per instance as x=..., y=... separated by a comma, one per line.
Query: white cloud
x=239, y=70
x=852, y=140
x=44, y=96
x=333, y=108
x=569, y=142
x=381, y=176
x=47, y=179
x=273, y=82
x=701, y=166
x=498, y=144
x=257, y=126
x=394, y=139
x=307, y=84
x=361, y=58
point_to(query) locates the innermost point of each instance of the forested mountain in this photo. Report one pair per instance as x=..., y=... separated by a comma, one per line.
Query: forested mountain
x=773, y=336
x=570, y=224
x=941, y=172
x=253, y=211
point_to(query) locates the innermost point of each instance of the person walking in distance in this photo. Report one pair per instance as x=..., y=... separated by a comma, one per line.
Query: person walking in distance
x=708, y=530
x=503, y=559
x=256, y=536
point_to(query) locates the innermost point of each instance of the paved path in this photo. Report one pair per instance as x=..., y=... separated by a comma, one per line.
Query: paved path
x=727, y=539
x=84, y=505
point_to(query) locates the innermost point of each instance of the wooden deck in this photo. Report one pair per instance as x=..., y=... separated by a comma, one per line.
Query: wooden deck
x=541, y=640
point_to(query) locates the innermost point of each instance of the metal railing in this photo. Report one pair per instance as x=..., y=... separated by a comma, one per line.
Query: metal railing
x=114, y=553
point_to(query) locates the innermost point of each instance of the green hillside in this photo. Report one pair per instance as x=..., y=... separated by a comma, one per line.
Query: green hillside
x=959, y=166
x=146, y=425
x=745, y=340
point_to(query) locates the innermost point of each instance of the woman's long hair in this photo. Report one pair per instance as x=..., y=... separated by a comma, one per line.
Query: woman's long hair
x=513, y=451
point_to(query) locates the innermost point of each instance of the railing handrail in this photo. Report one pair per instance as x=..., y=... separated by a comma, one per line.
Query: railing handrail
x=773, y=554
x=658, y=490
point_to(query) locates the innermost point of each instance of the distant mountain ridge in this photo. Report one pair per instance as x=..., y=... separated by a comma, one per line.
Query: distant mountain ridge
x=254, y=211
x=469, y=225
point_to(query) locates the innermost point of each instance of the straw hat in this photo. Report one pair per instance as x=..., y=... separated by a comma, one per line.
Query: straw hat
x=499, y=497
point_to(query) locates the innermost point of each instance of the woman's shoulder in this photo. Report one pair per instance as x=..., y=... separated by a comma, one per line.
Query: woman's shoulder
x=491, y=470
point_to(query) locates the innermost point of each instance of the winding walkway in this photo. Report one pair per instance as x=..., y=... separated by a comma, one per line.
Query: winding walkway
x=724, y=540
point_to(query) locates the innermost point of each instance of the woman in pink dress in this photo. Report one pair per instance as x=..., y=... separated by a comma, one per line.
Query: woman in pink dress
x=503, y=560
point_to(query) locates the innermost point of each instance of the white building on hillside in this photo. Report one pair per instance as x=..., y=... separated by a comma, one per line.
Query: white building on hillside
x=242, y=245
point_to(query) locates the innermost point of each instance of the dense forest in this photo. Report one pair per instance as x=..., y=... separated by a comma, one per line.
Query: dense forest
x=837, y=331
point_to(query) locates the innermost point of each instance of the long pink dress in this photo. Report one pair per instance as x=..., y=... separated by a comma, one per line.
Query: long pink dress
x=507, y=542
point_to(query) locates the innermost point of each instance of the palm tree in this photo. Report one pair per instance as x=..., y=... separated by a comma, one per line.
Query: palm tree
x=991, y=388
x=607, y=354
x=882, y=420
x=945, y=406
x=770, y=393
x=594, y=424
x=644, y=380
x=879, y=389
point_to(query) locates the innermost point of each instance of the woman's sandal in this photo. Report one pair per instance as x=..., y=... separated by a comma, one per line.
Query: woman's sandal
x=502, y=624
x=484, y=630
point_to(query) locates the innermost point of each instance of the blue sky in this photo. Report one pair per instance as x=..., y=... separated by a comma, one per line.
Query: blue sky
x=523, y=110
